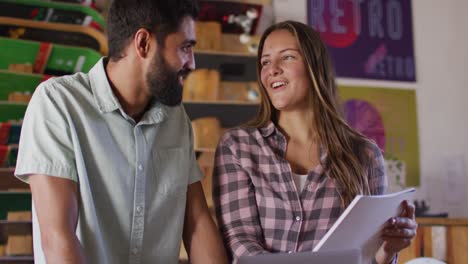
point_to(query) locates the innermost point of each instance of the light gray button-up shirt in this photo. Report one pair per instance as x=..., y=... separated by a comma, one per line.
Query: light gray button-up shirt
x=132, y=177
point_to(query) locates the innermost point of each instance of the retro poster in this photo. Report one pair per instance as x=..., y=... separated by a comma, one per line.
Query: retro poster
x=368, y=39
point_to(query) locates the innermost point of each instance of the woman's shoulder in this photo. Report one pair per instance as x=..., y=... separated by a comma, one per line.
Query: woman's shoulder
x=372, y=148
x=238, y=135
x=373, y=153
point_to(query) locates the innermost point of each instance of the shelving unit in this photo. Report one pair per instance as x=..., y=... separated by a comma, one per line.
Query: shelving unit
x=17, y=260
x=8, y=180
x=222, y=102
x=14, y=194
x=233, y=67
x=16, y=228
x=230, y=115
x=17, y=82
x=24, y=63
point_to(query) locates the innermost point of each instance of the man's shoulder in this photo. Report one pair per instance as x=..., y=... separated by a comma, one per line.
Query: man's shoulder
x=66, y=82
x=63, y=92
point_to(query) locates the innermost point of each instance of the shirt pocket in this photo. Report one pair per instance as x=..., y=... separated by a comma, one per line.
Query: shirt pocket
x=171, y=171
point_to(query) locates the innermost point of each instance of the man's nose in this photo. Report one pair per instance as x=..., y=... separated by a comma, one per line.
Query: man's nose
x=190, y=63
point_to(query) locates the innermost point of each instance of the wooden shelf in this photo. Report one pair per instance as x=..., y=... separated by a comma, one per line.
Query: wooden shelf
x=228, y=115
x=442, y=221
x=20, y=228
x=9, y=181
x=16, y=228
x=209, y=150
x=236, y=103
x=20, y=73
x=4, y=102
x=225, y=53
x=233, y=68
x=16, y=259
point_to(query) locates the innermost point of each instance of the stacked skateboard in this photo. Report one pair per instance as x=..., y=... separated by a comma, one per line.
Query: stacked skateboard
x=38, y=40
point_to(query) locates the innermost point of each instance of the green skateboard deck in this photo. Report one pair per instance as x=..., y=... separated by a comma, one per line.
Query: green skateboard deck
x=56, y=33
x=11, y=111
x=11, y=82
x=61, y=60
x=54, y=12
x=14, y=201
x=90, y=3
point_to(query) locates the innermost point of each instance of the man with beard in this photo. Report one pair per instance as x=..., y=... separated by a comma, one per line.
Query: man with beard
x=109, y=154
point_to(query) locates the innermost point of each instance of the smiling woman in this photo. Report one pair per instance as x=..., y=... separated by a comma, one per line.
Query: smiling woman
x=281, y=181
x=283, y=73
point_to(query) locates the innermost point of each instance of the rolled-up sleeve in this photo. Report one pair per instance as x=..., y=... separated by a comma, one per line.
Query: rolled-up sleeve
x=378, y=181
x=377, y=176
x=235, y=203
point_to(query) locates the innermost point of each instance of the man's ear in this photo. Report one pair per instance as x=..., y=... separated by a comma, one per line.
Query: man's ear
x=142, y=43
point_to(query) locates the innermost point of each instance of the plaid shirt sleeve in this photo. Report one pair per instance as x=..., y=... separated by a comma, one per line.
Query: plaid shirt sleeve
x=234, y=201
x=378, y=178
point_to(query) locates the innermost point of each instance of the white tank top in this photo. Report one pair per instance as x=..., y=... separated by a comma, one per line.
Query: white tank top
x=299, y=181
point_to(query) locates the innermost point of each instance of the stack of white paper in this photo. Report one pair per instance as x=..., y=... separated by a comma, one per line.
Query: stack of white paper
x=360, y=225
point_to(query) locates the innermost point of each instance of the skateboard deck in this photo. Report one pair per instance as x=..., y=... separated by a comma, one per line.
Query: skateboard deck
x=60, y=61
x=11, y=82
x=14, y=201
x=12, y=111
x=96, y=4
x=57, y=33
x=53, y=12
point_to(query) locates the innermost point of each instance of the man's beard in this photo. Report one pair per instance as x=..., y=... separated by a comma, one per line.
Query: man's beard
x=163, y=81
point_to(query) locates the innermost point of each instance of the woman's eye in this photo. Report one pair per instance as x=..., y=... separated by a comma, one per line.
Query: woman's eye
x=263, y=63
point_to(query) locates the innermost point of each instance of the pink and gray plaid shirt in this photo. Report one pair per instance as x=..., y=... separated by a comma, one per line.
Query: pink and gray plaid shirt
x=257, y=205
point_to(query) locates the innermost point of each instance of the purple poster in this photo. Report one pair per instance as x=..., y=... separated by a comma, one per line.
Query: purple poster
x=370, y=39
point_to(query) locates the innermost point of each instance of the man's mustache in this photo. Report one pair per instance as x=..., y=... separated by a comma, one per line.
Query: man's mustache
x=184, y=73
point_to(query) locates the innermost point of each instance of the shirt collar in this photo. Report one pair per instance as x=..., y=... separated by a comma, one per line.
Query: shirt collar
x=271, y=129
x=268, y=130
x=156, y=113
x=107, y=101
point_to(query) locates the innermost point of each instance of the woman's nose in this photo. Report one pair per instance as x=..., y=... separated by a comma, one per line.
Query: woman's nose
x=275, y=69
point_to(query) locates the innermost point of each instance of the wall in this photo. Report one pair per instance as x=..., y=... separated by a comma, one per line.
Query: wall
x=441, y=47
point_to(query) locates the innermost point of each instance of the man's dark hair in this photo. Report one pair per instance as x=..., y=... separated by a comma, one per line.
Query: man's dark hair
x=161, y=17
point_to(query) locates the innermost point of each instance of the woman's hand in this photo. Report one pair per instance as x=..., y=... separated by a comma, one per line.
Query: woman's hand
x=398, y=233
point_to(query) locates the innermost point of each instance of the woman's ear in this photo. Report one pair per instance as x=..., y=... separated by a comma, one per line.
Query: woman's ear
x=142, y=43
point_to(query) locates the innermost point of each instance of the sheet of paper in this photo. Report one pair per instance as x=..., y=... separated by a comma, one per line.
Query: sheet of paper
x=361, y=223
x=328, y=257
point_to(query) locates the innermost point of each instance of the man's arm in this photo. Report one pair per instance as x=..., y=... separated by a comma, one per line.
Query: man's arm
x=201, y=237
x=56, y=204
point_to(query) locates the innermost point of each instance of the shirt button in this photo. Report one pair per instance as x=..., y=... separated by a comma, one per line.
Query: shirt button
x=140, y=167
x=298, y=218
x=135, y=251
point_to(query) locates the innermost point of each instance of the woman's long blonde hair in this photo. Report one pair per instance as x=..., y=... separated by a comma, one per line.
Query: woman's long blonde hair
x=347, y=161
